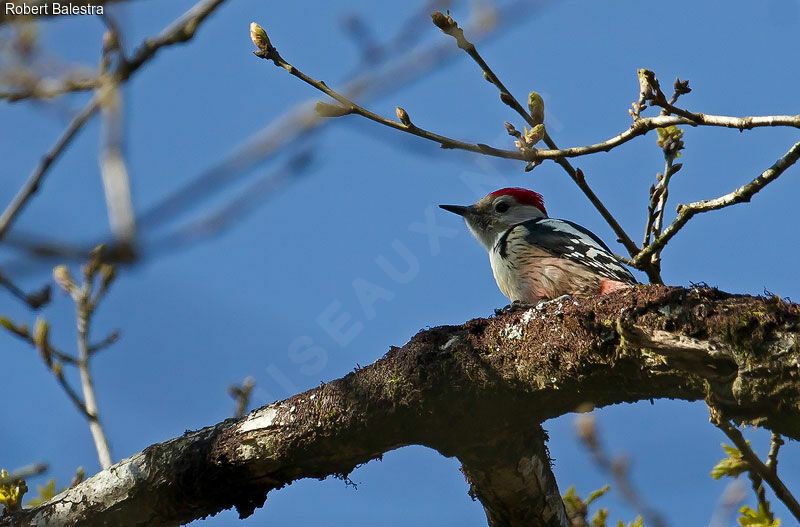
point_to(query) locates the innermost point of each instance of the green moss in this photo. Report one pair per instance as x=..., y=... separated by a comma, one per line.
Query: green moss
x=330, y=415
x=746, y=333
x=396, y=383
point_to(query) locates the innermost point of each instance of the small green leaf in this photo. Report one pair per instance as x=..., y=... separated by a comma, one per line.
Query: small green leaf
x=259, y=36
x=600, y=517
x=732, y=466
x=41, y=331
x=536, y=107
x=760, y=518
x=670, y=139
x=11, y=492
x=45, y=493
x=597, y=494
x=572, y=502
x=534, y=135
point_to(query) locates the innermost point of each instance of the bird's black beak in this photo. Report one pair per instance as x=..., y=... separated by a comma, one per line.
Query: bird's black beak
x=457, y=209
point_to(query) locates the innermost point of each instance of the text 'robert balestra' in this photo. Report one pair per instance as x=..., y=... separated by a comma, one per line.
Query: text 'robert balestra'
x=54, y=8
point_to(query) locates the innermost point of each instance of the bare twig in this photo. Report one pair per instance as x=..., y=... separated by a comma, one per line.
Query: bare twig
x=50, y=88
x=34, y=300
x=650, y=91
x=658, y=217
x=237, y=207
x=640, y=127
x=655, y=191
x=616, y=468
x=646, y=124
x=679, y=88
x=28, y=471
x=181, y=30
x=241, y=394
x=405, y=37
x=113, y=169
x=80, y=474
x=177, y=33
x=670, y=141
x=58, y=373
x=298, y=122
x=776, y=441
x=757, y=467
x=302, y=120
x=103, y=344
x=53, y=359
x=85, y=304
x=450, y=27
x=24, y=333
x=623, y=238
x=32, y=184
x=757, y=484
x=740, y=195
x=351, y=107
x=728, y=504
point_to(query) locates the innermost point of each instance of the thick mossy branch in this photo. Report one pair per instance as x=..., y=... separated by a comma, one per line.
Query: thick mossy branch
x=458, y=389
x=510, y=474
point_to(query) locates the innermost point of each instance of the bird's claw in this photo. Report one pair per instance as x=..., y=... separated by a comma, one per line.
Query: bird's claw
x=516, y=305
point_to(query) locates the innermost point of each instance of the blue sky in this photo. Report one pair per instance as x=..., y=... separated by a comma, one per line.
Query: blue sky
x=251, y=300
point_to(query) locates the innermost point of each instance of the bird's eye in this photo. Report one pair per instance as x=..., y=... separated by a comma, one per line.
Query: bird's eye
x=501, y=207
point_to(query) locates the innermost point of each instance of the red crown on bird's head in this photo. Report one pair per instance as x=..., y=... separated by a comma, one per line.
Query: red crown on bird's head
x=523, y=196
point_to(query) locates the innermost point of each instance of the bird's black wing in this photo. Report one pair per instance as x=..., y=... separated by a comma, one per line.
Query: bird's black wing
x=569, y=240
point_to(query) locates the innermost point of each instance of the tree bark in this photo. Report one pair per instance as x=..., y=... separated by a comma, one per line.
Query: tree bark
x=478, y=392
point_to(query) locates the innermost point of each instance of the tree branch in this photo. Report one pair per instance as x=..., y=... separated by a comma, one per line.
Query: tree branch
x=458, y=389
x=617, y=468
x=34, y=300
x=298, y=122
x=181, y=30
x=646, y=124
x=757, y=466
x=84, y=309
x=640, y=127
x=50, y=88
x=351, y=107
x=740, y=195
x=450, y=27
x=510, y=474
x=32, y=184
x=776, y=441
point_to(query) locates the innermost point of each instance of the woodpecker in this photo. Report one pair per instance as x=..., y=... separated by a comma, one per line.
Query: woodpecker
x=535, y=257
